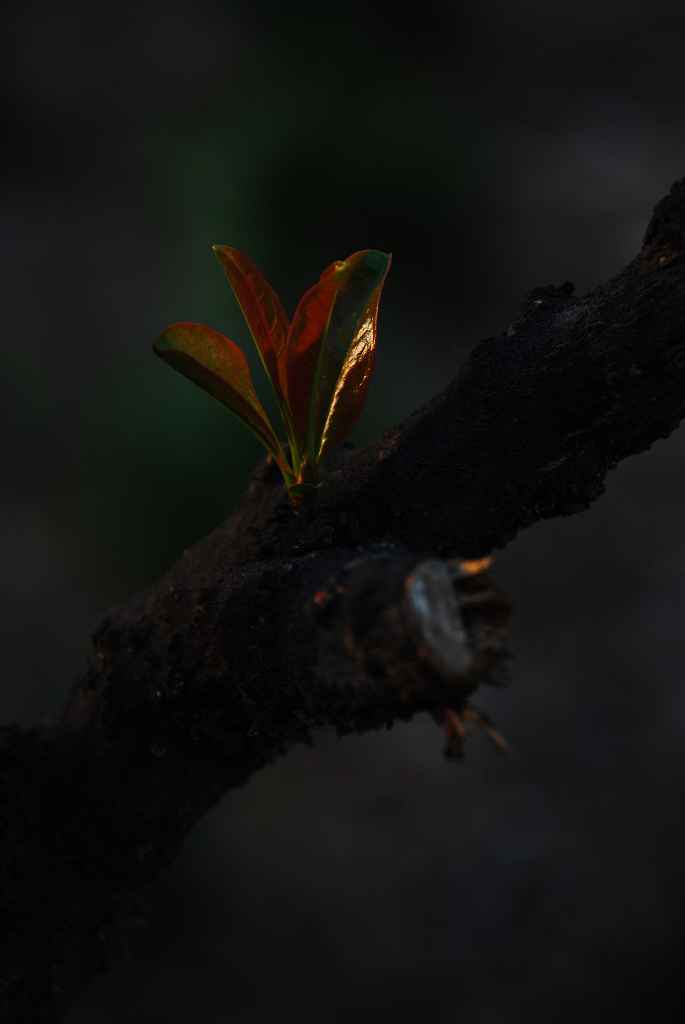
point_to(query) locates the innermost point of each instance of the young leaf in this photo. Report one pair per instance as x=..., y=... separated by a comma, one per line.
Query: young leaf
x=260, y=306
x=218, y=366
x=331, y=349
x=350, y=390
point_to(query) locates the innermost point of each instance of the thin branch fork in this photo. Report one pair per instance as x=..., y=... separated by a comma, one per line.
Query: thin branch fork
x=351, y=613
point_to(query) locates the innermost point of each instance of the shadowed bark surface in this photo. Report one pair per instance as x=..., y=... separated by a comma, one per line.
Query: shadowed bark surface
x=344, y=614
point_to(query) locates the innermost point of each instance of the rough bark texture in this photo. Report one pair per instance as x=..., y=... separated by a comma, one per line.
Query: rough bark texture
x=344, y=614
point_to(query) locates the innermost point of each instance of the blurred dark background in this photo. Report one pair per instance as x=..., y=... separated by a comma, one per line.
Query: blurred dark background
x=492, y=147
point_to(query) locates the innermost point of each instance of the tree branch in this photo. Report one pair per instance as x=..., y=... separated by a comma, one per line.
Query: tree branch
x=340, y=615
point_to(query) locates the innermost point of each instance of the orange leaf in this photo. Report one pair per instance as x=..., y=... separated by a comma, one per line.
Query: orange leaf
x=218, y=366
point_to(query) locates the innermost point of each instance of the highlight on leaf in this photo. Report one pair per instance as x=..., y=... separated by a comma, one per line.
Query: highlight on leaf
x=331, y=350
x=319, y=365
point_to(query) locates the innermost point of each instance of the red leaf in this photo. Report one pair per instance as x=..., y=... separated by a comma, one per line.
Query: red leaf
x=260, y=306
x=218, y=366
x=331, y=348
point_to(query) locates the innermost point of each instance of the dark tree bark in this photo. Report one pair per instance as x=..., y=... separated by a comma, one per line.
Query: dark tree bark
x=351, y=613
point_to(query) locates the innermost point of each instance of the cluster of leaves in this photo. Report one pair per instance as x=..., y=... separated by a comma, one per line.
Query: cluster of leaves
x=319, y=364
